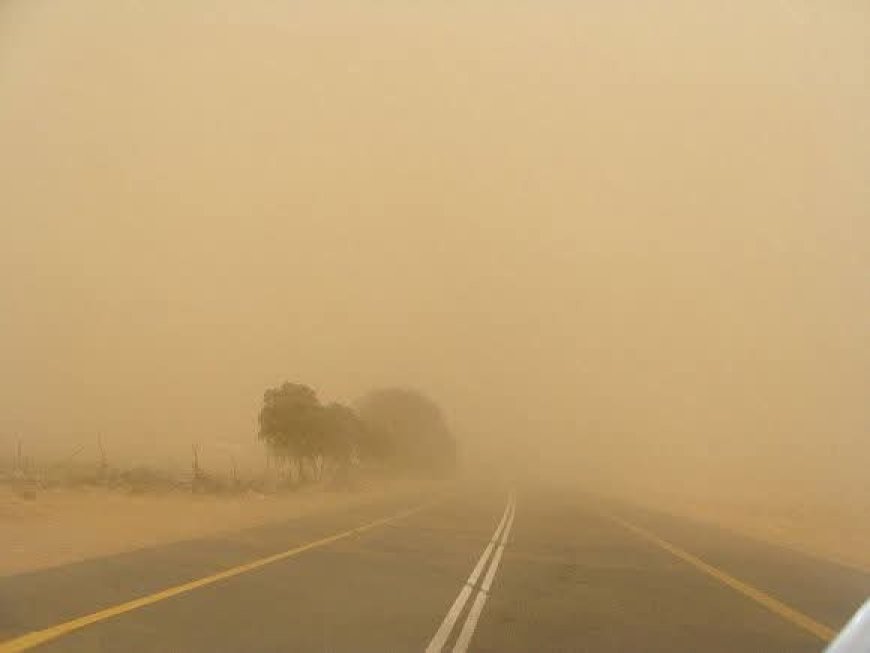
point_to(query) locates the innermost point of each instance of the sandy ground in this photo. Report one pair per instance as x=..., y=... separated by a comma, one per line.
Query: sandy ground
x=62, y=526
x=837, y=533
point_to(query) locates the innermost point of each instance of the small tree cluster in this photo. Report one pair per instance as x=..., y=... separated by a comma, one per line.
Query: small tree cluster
x=305, y=434
x=397, y=428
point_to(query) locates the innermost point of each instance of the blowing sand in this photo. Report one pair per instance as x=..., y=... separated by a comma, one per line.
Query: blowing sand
x=62, y=526
x=841, y=534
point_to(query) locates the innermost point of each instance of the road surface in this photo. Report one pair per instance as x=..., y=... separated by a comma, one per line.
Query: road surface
x=506, y=569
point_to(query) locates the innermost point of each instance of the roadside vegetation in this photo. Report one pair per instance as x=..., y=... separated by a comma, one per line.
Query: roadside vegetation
x=392, y=432
x=395, y=430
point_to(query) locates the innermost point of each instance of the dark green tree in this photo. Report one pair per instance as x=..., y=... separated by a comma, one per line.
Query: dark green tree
x=305, y=434
x=341, y=431
x=290, y=424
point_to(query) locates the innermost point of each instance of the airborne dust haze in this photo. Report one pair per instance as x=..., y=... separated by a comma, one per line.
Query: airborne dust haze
x=619, y=242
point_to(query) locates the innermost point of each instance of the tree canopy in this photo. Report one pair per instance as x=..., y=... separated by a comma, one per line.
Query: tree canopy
x=299, y=430
x=407, y=429
x=396, y=427
x=290, y=420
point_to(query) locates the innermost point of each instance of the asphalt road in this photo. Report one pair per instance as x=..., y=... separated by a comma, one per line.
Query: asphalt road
x=562, y=573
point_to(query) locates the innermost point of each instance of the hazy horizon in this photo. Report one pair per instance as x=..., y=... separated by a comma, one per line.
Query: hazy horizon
x=611, y=239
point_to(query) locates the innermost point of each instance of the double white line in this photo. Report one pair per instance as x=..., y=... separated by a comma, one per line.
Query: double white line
x=498, y=541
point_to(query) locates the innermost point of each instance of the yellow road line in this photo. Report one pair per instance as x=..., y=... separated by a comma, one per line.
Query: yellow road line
x=37, y=637
x=799, y=619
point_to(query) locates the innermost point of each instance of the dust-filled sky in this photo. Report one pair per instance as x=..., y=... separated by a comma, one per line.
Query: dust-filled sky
x=609, y=237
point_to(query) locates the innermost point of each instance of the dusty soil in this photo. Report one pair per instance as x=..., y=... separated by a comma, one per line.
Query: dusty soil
x=59, y=526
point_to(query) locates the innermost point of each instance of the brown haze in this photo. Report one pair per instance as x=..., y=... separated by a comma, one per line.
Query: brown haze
x=618, y=241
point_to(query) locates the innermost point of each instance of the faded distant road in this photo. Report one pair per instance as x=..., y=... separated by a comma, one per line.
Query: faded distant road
x=509, y=569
